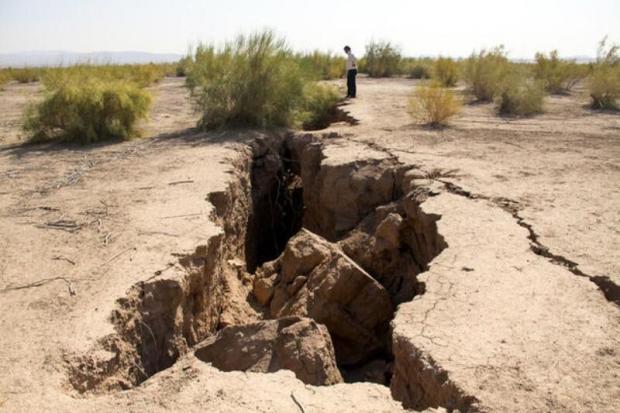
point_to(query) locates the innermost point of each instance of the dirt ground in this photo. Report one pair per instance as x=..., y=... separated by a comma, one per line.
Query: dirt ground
x=519, y=312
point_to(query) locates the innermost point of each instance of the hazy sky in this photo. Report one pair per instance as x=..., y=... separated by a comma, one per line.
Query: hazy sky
x=427, y=27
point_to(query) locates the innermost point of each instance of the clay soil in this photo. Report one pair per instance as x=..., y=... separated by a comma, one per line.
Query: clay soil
x=118, y=260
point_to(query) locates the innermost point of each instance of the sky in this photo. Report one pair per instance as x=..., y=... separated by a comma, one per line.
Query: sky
x=420, y=28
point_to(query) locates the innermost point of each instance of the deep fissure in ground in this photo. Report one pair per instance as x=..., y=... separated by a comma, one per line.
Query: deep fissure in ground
x=362, y=220
x=279, y=212
x=277, y=205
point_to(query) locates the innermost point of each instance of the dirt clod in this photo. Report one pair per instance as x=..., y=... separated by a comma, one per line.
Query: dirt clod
x=292, y=343
x=317, y=280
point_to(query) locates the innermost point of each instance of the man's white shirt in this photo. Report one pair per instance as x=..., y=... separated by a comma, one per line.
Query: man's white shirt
x=351, y=62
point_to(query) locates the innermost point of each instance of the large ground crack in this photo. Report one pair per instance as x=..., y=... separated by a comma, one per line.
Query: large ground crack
x=375, y=230
x=312, y=262
x=610, y=290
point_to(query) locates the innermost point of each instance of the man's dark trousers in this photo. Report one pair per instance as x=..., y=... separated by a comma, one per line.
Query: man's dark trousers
x=351, y=86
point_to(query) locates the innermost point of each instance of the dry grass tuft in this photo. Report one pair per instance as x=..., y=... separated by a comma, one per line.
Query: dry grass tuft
x=520, y=95
x=483, y=73
x=253, y=81
x=319, y=106
x=559, y=76
x=446, y=71
x=433, y=105
x=604, y=82
x=88, y=111
x=318, y=65
x=382, y=59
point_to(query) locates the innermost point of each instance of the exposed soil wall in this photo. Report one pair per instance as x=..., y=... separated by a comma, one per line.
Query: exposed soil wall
x=161, y=319
x=369, y=229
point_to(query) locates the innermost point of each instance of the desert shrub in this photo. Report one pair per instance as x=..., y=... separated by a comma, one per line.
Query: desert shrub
x=322, y=66
x=558, y=75
x=167, y=70
x=88, y=111
x=521, y=95
x=182, y=67
x=420, y=71
x=4, y=78
x=207, y=63
x=361, y=64
x=604, y=82
x=416, y=68
x=56, y=77
x=319, y=106
x=141, y=75
x=445, y=71
x=433, y=104
x=251, y=81
x=382, y=59
x=483, y=73
x=25, y=75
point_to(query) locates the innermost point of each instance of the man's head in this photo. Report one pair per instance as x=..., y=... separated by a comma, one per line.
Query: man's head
x=347, y=49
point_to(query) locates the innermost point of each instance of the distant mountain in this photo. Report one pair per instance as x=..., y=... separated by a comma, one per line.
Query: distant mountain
x=63, y=58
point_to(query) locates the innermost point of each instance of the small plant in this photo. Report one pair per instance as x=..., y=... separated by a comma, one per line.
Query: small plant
x=433, y=105
x=182, y=67
x=322, y=66
x=559, y=75
x=144, y=75
x=25, y=75
x=382, y=59
x=253, y=81
x=4, y=78
x=88, y=111
x=416, y=68
x=483, y=73
x=141, y=75
x=446, y=71
x=420, y=71
x=520, y=95
x=319, y=106
x=604, y=82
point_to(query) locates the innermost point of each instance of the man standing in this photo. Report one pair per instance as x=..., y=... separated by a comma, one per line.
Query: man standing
x=351, y=73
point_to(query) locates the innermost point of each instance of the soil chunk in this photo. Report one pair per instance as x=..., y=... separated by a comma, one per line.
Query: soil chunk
x=292, y=343
x=316, y=279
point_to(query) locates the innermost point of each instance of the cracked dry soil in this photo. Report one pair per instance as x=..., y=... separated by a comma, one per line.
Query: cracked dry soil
x=375, y=267
x=311, y=265
x=313, y=261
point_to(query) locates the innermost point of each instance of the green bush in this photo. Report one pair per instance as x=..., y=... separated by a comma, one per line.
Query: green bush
x=4, y=78
x=416, y=68
x=520, y=95
x=604, y=82
x=25, y=75
x=141, y=75
x=88, y=111
x=483, y=73
x=382, y=59
x=558, y=75
x=433, y=105
x=446, y=71
x=203, y=58
x=420, y=71
x=253, y=81
x=322, y=66
x=319, y=106
x=182, y=67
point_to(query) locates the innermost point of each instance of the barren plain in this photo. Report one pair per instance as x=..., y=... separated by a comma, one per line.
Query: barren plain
x=374, y=266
